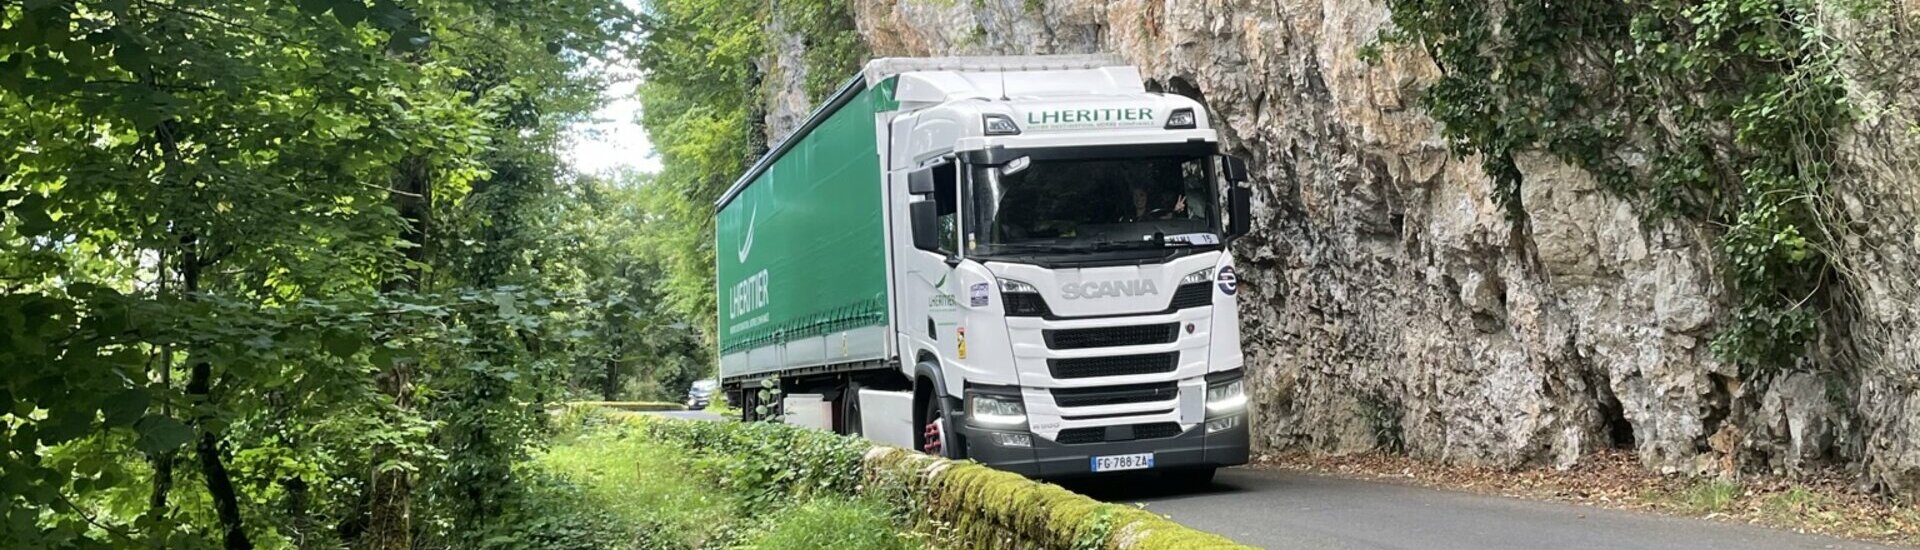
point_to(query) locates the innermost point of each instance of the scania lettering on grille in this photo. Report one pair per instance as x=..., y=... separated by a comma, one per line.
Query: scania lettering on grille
x=1108, y=289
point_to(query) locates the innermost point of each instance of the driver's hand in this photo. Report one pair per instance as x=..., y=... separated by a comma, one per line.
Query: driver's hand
x=1180, y=205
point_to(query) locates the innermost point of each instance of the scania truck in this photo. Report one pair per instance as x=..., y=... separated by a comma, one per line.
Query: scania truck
x=1016, y=260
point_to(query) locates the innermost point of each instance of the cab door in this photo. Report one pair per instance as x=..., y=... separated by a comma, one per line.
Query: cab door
x=927, y=261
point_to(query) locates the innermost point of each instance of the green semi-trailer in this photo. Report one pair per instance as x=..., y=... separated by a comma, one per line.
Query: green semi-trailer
x=1020, y=260
x=801, y=245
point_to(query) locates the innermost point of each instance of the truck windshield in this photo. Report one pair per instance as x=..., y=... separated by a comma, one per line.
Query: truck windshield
x=1069, y=205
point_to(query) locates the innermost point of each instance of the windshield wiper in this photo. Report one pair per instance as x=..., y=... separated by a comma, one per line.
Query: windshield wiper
x=1035, y=247
x=1126, y=245
x=1095, y=246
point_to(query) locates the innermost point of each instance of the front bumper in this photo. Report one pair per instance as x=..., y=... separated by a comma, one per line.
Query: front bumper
x=1194, y=448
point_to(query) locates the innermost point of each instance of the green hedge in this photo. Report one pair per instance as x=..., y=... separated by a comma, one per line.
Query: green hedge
x=957, y=503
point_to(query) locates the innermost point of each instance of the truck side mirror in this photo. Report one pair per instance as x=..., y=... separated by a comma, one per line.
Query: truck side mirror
x=925, y=218
x=1236, y=169
x=1240, y=214
x=922, y=182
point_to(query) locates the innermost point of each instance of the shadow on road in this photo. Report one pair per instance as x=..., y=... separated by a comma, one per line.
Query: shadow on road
x=1133, y=487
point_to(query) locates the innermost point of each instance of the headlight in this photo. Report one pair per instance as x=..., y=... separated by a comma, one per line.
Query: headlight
x=1181, y=119
x=1011, y=286
x=1201, y=276
x=999, y=125
x=996, y=410
x=1227, y=397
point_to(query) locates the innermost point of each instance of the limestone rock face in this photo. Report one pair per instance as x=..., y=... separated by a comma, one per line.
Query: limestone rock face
x=1389, y=302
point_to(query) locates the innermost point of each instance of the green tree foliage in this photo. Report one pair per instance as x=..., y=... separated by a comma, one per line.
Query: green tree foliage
x=256, y=255
x=628, y=344
x=703, y=103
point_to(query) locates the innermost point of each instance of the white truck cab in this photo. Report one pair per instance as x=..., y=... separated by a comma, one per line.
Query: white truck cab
x=1059, y=295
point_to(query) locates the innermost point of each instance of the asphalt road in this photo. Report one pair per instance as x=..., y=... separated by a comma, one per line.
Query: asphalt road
x=1286, y=510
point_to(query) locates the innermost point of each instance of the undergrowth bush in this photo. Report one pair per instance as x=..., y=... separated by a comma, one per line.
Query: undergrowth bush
x=643, y=483
x=682, y=484
x=767, y=464
x=775, y=486
x=834, y=523
x=550, y=515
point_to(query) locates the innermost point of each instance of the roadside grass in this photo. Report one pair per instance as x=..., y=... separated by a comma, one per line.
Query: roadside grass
x=720, y=407
x=1710, y=496
x=660, y=495
x=644, y=484
x=834, y=523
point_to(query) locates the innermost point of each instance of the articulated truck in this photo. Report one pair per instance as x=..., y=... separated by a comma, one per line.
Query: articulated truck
x=1016, y=260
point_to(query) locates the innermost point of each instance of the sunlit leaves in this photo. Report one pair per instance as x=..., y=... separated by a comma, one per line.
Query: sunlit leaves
x=198, y=183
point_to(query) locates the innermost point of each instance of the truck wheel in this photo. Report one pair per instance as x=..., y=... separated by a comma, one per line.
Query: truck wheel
x=1191, y=478
x=935, y=434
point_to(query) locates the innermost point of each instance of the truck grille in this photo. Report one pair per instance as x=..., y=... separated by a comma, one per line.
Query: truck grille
x=1157, y=430
x=1115, y=395
x=1119, y=365
x=1106, y=337
x=1193, y=295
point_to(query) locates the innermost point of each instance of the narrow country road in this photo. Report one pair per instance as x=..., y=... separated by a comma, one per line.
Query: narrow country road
x=1288, y=510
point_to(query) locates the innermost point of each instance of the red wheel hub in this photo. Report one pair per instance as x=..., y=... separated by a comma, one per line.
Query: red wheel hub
x=932, y=438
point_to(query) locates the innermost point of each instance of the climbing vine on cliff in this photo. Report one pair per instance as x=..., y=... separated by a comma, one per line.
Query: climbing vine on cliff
x=1718, y=110
x=834, y=49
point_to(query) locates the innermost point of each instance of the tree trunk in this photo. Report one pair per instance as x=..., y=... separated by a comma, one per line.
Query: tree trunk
x=162, y=462
x=612, y=388
x=226, y=502
x=390, y=514
x=299, y=499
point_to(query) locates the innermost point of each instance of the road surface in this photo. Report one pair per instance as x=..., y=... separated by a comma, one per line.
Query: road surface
x=1287, y=510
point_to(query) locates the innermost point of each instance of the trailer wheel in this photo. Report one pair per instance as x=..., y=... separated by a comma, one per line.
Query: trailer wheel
x=850, y=422
x=746, y=407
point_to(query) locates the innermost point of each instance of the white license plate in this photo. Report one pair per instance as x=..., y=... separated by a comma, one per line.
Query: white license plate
x=1117, y=463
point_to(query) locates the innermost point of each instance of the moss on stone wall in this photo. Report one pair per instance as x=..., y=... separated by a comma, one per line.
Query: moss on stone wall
x=980, y=507
x=959, y=504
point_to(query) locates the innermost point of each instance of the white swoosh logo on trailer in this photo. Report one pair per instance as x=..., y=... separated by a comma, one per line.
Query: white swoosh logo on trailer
x=746, y=245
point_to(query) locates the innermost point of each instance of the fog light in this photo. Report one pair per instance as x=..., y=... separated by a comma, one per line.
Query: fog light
x=1013, y=440
x=1223, y=424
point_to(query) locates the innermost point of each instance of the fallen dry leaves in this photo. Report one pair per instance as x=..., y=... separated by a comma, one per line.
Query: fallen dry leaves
x=1821, y=503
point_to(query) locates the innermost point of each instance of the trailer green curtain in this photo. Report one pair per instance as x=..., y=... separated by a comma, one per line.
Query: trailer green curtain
x=801, y=249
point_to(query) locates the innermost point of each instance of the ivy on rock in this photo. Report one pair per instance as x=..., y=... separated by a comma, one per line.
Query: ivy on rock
x=1721, y=111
